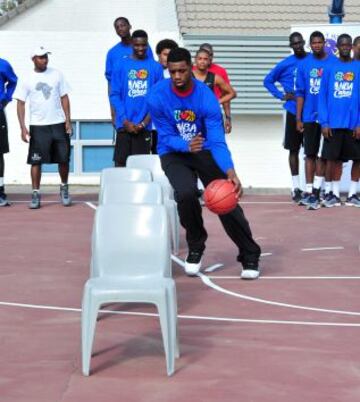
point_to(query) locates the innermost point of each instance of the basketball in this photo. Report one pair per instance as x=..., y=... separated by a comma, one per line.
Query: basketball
x=219, y=196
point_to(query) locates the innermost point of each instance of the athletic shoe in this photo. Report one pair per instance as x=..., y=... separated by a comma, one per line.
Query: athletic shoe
x=332, y=201
x=322, y=196
x=64, y=195
x=3, y=198
x=305, y=199
x=296, y=195
x=35, y=200
x=314, y=203
x=193, y=262
x=250, y=271
x=353, y=201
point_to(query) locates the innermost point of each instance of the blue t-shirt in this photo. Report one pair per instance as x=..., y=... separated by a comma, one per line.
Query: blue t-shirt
x=285, y=74
x=8, y=81
x=130, y=86
x=180, y=118
x=118, y=52
x=308, y=80
x=339, y=96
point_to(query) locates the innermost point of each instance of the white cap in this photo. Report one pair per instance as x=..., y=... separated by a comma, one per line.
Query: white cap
x=40, y=51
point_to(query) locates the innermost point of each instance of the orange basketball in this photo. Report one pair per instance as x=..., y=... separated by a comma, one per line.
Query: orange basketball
x=219, y=196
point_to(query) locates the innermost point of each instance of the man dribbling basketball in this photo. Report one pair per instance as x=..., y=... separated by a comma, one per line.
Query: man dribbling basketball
x=191, y=143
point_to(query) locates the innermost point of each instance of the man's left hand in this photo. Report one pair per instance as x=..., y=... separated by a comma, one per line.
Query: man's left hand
x=68, y=127
x=232, y=176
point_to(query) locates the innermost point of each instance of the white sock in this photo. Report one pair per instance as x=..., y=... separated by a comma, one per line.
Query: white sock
x=336, y=188
x=327, y=187
x=318, y=182
x=1, y=181
x=36, y=190
x=308, y=188
x=353, y=188
x=295, y=182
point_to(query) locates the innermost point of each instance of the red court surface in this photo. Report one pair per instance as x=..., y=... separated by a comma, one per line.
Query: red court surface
x=291, y=336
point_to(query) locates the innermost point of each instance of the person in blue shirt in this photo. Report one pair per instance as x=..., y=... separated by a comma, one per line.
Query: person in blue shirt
x=284, y=73
x=119, y=51
x=191, y=144
x=130, y=85
x=8, y=81
x=308, y=83
x=339, y=115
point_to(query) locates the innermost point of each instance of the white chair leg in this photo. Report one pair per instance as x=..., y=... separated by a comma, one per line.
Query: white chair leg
x=167, y=335
x=88, y=323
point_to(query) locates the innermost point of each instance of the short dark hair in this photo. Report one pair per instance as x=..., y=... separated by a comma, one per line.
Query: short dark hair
x=207, y=46
x=123, y=19
x=295, y=35
x=139, y=33
x=343, y=36
x=179, y=54
x=317, y=34
x=202, y=50
x=166, y=44
x=356, y=40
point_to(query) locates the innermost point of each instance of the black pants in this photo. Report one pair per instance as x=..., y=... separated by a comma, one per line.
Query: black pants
x=131, y=144
x=182, y=170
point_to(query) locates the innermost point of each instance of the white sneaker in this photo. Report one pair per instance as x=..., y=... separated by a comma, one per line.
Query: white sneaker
x=193, y=263
x=250, y=273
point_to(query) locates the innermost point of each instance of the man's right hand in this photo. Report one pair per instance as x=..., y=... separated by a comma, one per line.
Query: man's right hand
x=288, y=96
x=299, y=126
x=130, y=127
x=25, y=135
x=326, y=132
x=196, y=144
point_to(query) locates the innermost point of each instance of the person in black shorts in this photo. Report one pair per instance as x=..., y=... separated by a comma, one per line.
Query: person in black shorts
x=8, y=82
x=192, y=144
x=46, y=91
x=284, y=73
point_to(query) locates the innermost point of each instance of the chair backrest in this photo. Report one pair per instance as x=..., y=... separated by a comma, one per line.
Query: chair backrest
x=113, y=176
x=132, y=193
x=152, y=163
x=131, y=241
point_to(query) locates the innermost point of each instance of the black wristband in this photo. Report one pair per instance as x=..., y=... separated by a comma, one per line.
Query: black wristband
x=227, y=117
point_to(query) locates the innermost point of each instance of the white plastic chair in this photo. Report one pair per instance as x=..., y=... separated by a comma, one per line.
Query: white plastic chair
x=112, y=176
x=152, y=163
x=131, y=252
x=124, y=192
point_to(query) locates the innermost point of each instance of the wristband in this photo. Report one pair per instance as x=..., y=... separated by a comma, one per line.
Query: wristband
x=227, y=117
x=142, y=124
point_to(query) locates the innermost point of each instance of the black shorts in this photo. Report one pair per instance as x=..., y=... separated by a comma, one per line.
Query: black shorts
x=341, y=146
x=4, y=141
x=293, y=138
x=312, y=137
x=131, y=144
x=154, y=141
x=49, y=144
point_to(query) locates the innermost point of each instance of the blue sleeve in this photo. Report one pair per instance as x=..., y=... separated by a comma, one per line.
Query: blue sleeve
x=167, y=134
x=149, y=53
x=117, y=80
x=271, y=78
x=11, y=81
x=215, y=134
x=108, y=66
x=323, y=115
x=300, y=82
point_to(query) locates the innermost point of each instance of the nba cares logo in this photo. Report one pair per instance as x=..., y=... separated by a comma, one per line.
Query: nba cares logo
x=138, y=74
x=184, y=115
x=316, y=72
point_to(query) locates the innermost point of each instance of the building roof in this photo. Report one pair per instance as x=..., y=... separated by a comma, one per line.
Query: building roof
x=255, y=17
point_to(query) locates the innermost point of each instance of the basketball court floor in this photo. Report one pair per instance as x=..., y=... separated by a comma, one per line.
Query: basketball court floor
x=293, y=335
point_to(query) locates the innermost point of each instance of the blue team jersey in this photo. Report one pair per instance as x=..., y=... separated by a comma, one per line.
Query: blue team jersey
x=116, y=54
x=339, y=96
x=179, y=118
x=130, y=85
x=8, y=81
x=308, y=81
x=285, y=74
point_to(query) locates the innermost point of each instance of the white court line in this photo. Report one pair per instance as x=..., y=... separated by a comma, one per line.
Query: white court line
x=212, y=268
x=290, y=277
x=188, y=317
x=91, y=205
x=323, y=248
x=207, y=281
x=266, y=202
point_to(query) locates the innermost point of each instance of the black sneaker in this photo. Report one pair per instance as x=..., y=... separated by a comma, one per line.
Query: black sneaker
x=64, y=195
x=250, y=271
x=35, y=200
x=3, y=198
x=296, y=195
x=193, y=262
